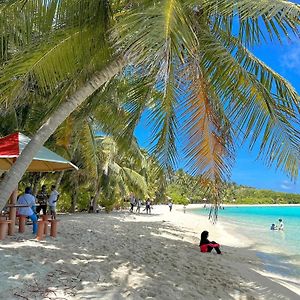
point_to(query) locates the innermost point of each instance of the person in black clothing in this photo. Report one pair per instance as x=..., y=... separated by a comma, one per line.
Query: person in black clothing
x=91, y=205
x=42, y=198
x=206, y=245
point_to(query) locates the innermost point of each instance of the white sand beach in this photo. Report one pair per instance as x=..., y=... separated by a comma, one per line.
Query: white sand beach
x=130, y=256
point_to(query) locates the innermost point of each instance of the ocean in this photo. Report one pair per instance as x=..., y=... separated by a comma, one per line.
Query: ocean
x=280, y=250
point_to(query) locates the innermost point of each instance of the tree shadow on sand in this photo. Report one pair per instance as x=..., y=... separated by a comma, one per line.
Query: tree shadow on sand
x=108, y=258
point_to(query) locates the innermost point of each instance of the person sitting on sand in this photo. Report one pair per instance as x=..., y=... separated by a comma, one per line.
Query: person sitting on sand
x=28, y=201
x=206, y=245
x=273, y=227
x=280, y=224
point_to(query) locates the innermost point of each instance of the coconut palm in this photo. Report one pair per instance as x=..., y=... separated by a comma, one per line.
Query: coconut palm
x=190, y=58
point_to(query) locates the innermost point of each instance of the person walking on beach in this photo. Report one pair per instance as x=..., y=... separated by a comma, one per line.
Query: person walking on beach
x=42, y=198
x=53, y=201
x=206, y=245
x=132, y=202
x=138, y=205
x=91, y=205
x=148, y=206
x=28, y=200
x=170, y=205
x=280, y=225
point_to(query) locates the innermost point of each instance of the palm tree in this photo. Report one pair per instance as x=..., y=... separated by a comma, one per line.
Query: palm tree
x=190, y=61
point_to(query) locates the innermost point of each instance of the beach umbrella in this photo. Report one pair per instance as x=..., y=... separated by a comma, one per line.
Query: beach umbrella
x=45, y=160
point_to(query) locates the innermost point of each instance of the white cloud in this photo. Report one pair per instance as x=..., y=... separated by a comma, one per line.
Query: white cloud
x=291, y=58
x=286, y=185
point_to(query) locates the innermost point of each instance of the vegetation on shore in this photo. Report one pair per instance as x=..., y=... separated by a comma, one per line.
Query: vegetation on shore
x=184, y=188
x=179, y=187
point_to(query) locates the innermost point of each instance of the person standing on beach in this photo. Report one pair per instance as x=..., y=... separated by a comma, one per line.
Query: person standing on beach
x=148, y=206
x=132, y=202
x=28, y=201
x=170, y=205
x=91, y=205
x=52, y=201
x=42, y=198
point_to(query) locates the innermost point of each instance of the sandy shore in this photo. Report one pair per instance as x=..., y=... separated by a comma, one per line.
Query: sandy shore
x=129, y=256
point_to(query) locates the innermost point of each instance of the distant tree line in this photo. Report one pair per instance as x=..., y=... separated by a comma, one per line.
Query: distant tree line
x=183, y=188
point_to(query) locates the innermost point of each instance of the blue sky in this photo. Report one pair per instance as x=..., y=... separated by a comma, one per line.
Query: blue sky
x=284, y=59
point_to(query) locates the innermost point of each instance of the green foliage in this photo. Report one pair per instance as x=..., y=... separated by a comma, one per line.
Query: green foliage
x=182, y=186
x=247, y=195
x=177, y=197
x=185, y=59
x=64, y=203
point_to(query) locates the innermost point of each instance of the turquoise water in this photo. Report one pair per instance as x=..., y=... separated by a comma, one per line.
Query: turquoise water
x=254, y=223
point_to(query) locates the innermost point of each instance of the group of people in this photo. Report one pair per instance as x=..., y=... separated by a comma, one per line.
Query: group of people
x=31, y=209
x=280, y=225
x=138, y=203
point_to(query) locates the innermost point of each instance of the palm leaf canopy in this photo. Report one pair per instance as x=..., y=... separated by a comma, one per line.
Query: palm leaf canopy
x=189, y=65
x=211, y=91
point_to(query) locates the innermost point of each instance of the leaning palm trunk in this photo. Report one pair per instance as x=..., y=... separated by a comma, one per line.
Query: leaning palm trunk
x=58, y=181
x=74, y=201
x=16, y=172
x=37, y=178
x=95, y=200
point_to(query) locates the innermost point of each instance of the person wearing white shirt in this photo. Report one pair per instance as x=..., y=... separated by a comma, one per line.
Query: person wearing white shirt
x=28, y=200
x=53, y=198
x=280, y=225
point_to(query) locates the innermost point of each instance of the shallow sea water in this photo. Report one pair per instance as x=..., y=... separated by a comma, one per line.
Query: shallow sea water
x=280, y=250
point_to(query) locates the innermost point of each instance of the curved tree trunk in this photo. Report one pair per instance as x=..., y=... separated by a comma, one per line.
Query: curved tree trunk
x=16, y=172
x=74, y=201
x=37, y=178
x=95, y=200
x=59, y=178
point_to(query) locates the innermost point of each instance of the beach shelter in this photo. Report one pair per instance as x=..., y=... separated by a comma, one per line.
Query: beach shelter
x=45, y=160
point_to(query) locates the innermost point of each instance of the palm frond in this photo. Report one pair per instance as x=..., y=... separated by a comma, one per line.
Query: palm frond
x=209, y=147
x=135, y=180
x=274, y=18
x=254, y=103
x=89, y=150
x=63, y=135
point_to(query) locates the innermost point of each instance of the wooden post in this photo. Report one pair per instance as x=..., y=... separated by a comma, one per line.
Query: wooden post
x=40, y=232
x=45, y=218
x=12, y=212
x=3, y=228
x=53, y=229
x=22, y=221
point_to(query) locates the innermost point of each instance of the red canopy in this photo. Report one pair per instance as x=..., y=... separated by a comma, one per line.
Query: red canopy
x=45, y=160
x=9, y=146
